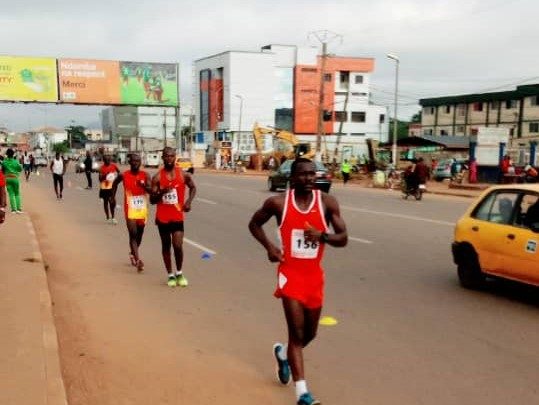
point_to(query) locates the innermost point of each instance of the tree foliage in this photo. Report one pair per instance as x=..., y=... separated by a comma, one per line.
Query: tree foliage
x=61, y=147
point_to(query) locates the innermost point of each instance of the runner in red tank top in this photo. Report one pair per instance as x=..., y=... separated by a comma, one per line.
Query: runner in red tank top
x=168, y=192
x=137, y=185
x=301, y=214
x=107, y=174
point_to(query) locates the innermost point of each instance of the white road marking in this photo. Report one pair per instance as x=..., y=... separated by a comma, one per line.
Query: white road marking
x=199, y=246
x=360, y=240
x=391, y=214
x=206, y=201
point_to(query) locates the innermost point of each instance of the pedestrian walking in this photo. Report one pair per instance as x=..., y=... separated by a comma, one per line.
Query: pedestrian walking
x=303, y=215
x=88, y=163
x=168, y=192
x=3, y=199
x=58, y=168
x=27, y=165
x=107, y=174
x=12, y=169
x=346, y=168
x=137, y=185
x=473, y=171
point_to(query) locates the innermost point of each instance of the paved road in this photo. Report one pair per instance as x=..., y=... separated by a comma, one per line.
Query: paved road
x=407, y=332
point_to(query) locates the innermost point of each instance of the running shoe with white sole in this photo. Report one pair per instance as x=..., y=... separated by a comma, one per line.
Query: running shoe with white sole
x=307, y=399
x=283, y=368
x=182, y=281
x=171, y=282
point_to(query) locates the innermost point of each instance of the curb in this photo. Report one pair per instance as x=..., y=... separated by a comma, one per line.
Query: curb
x=55, y=389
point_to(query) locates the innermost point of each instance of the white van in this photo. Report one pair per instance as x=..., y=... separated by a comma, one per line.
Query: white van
x=152, y=159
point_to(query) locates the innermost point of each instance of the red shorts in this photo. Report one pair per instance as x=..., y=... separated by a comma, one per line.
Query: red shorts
x=305, y=287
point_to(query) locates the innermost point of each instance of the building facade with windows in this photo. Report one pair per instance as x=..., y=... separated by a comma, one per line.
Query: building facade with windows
x=279, y=86
x=516, y=110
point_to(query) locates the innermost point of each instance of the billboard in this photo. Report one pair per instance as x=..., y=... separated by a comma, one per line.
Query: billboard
x=28, y=79
x=111, y=82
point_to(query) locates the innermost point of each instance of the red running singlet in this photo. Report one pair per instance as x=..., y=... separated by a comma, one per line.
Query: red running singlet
x=300, y=275
x=170, y=208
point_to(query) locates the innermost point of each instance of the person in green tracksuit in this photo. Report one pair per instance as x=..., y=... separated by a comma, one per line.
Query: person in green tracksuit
x=12, y=168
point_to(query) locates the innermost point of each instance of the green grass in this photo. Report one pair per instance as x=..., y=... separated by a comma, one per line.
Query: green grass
x=133, y=93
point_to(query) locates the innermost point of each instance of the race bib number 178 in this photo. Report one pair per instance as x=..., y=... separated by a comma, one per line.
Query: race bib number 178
x=302, y=249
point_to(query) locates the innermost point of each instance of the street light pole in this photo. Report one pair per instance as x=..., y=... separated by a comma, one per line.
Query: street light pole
x=241, y=112
x=395, y=119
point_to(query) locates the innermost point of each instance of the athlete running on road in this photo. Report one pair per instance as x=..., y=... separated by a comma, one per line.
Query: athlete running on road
x=303, y=215
x=137, y=184
x=58, y=168
x=107, y=174
x=168, y=192
x=27, y=165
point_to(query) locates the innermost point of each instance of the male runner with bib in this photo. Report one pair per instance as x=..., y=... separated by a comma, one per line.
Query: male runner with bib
x=168, y=192
x=107, y=174
x=303, y=215
x=137, y=184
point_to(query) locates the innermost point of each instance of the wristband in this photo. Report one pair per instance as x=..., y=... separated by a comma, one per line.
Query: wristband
x=324, y=237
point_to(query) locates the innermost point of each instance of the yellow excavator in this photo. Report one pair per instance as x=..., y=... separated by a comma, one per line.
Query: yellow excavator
x=288, y=145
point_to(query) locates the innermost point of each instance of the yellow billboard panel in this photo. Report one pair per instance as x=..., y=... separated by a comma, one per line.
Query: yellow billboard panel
x=28, y=79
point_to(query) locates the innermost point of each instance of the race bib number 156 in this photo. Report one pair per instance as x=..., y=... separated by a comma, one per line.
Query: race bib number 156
x=301, y=248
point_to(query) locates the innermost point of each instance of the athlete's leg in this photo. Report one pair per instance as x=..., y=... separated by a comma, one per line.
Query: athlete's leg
x=166, y=242
x=112, y=204
x=132, y=230
x=11, y=185
x=177, y=244
x=61, y=184
x=106, y=206
x=55, y=181
x=312, y=318
x=295, y=319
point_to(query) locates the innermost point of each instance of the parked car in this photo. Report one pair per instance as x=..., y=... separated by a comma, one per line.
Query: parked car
x=41, y=161
x=185, y=164
x=280, y=178
x=80, y=167
x=498, y=236
x=443, y=169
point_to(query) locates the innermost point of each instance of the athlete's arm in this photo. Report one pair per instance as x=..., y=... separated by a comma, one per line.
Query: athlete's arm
x=333, y=216
x=155, y=193
x=270, y=208
x=147, y=186
x=115, y=185
x=192, y=191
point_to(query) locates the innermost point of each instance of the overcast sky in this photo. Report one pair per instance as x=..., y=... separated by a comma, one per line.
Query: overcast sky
x=445, y=47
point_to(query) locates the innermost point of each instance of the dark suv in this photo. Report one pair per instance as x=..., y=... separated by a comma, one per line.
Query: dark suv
x=280, y=178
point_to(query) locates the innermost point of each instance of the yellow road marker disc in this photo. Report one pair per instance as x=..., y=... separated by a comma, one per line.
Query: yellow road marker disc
x=328, y=321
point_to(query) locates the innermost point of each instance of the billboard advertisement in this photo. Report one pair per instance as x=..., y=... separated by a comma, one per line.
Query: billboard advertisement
x=112, y=82
x=28, y=79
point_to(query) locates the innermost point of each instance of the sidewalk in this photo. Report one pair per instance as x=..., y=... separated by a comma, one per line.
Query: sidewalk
x=433, y=187
x=29, y=361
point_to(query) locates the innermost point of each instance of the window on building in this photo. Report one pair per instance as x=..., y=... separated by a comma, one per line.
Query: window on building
x=358, y=116
x=460, y=129
x=427, y=132
x=311, y=70
x=495, y=105
x=478, y=106
x=461, y=110
x=357, y=134
x=327, y=77
x=509, y=104
x=443, y=132
x=327, y=115
x=341, y=93
x=359, y=79
x=382, y=118
x=428, y=110
x=512, y=132
x=534, y=101
x=344, y=77
x=534, y=127
x=341, y=116
x=447, y=109
x=359, y=94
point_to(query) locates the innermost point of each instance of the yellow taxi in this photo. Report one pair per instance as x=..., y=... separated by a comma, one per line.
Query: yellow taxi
x=498, y=236
x=185, y=164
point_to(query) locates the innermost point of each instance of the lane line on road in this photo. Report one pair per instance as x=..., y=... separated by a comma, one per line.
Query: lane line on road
x=199, y=246
x=360, y=240
x=206, y=201
x=391, y=214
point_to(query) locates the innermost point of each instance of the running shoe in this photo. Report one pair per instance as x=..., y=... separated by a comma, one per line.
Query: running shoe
x=307, y=399
x=113, y=221
x=171, y=282
x=182, y=281
x=19, y=212
x=283, y=368
x=132, y=259
x=140, y=266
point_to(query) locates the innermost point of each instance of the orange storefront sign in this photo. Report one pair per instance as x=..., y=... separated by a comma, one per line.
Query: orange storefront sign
x=89, y=81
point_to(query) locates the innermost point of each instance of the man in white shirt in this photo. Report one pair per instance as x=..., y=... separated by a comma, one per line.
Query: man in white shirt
x=58, y=168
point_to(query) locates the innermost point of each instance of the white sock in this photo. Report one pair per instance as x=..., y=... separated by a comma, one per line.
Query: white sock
x=301, y=388
x=178, y=273
x=171, y=276
x=282, y=354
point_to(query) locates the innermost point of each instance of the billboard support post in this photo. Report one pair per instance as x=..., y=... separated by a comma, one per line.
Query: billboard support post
x=165, y=127
x=177, y=112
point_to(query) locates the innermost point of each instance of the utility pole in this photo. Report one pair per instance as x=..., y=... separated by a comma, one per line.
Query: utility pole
x=165, y=127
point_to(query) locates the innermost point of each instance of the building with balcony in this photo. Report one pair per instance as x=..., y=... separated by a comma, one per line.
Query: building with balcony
x=279, y=86
x=516, y=110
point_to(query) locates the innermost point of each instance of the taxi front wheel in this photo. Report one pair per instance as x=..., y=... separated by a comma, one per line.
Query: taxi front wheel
x=469, y=271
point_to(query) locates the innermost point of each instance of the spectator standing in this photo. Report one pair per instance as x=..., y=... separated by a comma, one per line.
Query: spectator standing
x=88, y=162
x=12, y=168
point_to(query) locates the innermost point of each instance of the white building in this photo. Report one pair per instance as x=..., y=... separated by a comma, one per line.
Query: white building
x=43, y=139
x=280, y=86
